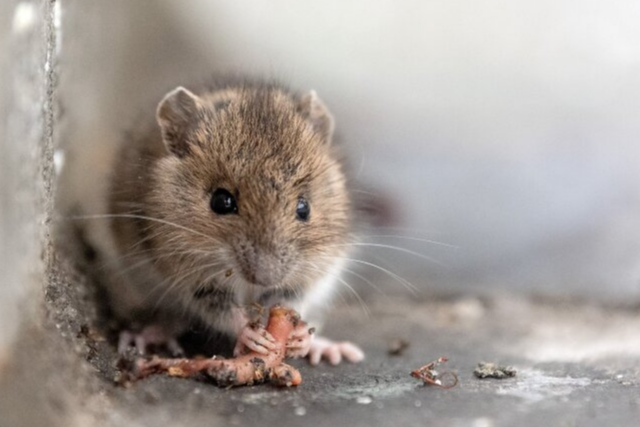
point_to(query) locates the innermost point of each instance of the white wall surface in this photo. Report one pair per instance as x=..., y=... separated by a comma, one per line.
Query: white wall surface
x=508, y=128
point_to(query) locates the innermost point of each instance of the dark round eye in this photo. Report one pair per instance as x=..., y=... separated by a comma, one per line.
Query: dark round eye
x=223, y=202
x=303, y=209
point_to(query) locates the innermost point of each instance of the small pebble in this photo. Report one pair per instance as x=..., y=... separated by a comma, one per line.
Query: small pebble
x=300, y=411
x=493, y=370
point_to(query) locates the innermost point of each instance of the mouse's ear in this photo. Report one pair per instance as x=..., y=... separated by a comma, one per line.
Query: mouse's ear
x=317, y=114
x=175, y=114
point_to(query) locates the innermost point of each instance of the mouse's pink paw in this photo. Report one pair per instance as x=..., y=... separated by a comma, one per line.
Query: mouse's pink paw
x=256, y=338
x=152, y=335
x=300, y=340
x=322, y=348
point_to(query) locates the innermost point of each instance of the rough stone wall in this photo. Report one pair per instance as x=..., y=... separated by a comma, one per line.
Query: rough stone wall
x=26, y=129
x=40, y=373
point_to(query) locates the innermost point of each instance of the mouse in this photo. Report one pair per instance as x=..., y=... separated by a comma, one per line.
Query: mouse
x=230, y=195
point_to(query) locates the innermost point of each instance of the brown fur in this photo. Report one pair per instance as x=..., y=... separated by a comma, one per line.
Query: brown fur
x=266, y=146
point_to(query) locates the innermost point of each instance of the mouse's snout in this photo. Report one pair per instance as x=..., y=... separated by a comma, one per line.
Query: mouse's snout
x=262, y=267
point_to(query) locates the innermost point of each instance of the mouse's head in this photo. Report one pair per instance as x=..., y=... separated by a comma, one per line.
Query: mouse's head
x=254, y=184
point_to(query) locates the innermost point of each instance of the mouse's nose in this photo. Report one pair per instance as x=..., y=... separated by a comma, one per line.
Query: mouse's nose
x=263, y=268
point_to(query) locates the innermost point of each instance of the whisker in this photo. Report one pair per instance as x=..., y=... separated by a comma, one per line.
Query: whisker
x=361, y=277
x=408, y=285
x=152, y=259
x=417, y=239
x=408, y=251
x=406, y=229
x=363, y=305
x=148, y=218
x=179, y=281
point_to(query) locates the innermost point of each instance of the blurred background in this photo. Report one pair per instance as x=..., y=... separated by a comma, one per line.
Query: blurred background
x=506, y=129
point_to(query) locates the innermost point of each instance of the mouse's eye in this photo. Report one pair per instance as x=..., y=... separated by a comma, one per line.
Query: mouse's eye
x=223, y=202
x=303, y=209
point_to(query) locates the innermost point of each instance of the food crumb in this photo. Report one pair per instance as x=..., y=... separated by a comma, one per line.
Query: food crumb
x=493, y=370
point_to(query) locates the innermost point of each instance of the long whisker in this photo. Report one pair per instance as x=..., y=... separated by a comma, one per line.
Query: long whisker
x=148, y=218
x=406, y=229
x=179, y=281
x=364, y=279
x=363, y=305
x=417, y=239
x=408, y=251
x=414, y=290
x=153, y=259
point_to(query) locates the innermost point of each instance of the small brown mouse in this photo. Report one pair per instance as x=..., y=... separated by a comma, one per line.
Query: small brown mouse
x=233, y=195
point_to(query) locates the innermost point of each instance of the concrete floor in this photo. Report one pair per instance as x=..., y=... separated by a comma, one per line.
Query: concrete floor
x=578, y=364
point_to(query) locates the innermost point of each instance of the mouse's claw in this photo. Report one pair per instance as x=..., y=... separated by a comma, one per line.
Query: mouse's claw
x=149, y=336
x=333, y=352
x=255, y=338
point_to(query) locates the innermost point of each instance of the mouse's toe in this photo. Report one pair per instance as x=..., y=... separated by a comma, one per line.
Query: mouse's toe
x=334, y=352
x=254, y=338
x=300, y=341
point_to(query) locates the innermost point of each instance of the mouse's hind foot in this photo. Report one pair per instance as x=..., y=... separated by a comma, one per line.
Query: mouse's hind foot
x=150, y=337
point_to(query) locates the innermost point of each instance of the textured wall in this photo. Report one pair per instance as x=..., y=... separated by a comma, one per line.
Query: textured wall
x=39, y=372
x=26, y=134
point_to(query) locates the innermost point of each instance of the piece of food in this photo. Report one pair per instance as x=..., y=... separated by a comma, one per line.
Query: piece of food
x=430, y=376
x=250, y=368
x=493, y=370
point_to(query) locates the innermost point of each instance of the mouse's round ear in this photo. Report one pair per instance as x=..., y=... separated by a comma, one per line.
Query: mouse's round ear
x=316, y=113
x=175, y=115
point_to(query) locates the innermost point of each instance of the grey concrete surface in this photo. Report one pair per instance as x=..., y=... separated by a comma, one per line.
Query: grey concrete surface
x=578, y=365
x=599, y=389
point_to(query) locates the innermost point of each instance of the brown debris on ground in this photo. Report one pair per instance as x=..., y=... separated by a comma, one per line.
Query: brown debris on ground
x=397, y=347
x=493, y=370
x=248, y=369
x=430, y=376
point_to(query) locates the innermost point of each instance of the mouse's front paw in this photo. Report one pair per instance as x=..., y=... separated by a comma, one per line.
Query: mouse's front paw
x=300, y=340
x=254, y=337
x=322, y=348
x=150, y=336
